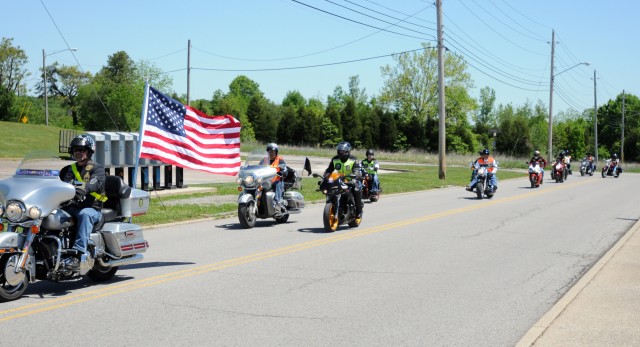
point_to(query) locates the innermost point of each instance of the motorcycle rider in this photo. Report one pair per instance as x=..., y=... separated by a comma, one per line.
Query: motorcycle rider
x=541, y=161
x=347, y=164
x=492, y=169
x=474, y=171
x=591, y=160
x=370, y=167
x=567, y=160
x=276, y=161
x=90, y=195
x=614, y=163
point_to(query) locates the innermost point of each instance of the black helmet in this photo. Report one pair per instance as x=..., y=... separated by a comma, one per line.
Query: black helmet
x=272, y=147
x=84, y=142
x=615, y=156
x=344, y=150
x=485, y=152
x=369, y=151
x=536, y=154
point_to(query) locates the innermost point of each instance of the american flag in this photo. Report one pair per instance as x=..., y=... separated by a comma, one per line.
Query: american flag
x=183, y=136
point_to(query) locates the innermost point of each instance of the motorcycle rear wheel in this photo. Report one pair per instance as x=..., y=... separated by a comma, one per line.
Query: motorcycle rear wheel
x=330, y=217
x=9, y=291
x=373, y=198
x=245, y=216
x=101, y=274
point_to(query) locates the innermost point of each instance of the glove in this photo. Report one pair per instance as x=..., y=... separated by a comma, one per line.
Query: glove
x=80, y=195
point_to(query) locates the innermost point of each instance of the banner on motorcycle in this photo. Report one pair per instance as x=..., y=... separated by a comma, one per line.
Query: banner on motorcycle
x=181, y=135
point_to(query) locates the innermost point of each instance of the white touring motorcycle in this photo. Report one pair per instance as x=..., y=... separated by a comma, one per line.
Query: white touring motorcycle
x=39, y=234
x=256, y=199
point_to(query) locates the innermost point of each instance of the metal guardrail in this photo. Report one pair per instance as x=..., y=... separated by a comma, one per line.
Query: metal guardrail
x=65, y=139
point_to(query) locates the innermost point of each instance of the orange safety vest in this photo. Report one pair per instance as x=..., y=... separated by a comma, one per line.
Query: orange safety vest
x=490, y=161
x=275, y=164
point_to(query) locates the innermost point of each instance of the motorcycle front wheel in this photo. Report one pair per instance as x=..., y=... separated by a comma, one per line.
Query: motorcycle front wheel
x=12, y=285
x=479, y=190
x=330, y=217
x=246, y=216
x=604, y=172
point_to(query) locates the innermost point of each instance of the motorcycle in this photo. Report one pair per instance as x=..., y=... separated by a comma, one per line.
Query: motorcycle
x=366, y=192
x=483, y=186
x=535, y=174
x=39, y=234
x=340, y=206
x=610, y=169
x=558, y=171
x=256, y=199
x=587, y=167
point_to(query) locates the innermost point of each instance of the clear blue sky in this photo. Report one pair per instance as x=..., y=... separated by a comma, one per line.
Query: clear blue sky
x=506, y=42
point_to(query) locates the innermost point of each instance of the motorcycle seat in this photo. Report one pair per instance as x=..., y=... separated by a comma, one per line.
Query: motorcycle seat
x=115, y=189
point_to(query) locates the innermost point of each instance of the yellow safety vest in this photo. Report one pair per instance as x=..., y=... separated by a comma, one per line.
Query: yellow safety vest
x=98, y=197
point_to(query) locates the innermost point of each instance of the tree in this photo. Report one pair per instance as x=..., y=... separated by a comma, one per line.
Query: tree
x=113, y=99
x=12, y=76
x=66, y=82
x=484, y=118
x=411, y=87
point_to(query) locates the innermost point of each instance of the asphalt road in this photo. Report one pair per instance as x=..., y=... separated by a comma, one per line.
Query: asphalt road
x=432, y=268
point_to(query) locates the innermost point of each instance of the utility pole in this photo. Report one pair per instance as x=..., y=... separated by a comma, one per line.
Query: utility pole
x=595, y=113
x=622, y=130
x=44, y=84
x=188, y=71
x=550, y=139
x=442, y=136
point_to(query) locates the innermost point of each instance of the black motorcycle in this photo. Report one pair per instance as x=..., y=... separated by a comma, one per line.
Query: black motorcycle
x=340, y=207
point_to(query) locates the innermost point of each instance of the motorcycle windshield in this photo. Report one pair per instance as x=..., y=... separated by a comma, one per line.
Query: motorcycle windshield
x=257, y=158
x=37, y=183
x=256, y=170
x=41, y=164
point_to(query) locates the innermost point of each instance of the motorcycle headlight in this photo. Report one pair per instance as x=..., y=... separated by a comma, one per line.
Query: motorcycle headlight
x=35, y=212
x=249, y=180
x=15, y=211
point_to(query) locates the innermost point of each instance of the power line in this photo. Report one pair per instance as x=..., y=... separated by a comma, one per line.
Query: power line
x=496, y=31
x=364, y=24
x=306, y=66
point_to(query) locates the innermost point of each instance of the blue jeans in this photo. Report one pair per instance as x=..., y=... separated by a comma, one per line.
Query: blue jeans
x=279, y=190
x=375, y=183
x=86, y=218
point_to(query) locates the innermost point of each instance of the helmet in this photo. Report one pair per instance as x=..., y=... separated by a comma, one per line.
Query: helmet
x=344, y=150
x=615, y=156
x=83, y=141
x=272, y=147
x=536, y=154
x=369, y=151
x=485, y=152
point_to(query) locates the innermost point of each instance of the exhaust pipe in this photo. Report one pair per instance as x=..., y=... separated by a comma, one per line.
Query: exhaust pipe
x=120, y=262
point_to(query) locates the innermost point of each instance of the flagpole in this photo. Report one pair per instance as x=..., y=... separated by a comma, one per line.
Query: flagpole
x=143, y=121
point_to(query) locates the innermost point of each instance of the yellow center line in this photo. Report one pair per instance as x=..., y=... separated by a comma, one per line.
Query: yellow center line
x=74, y=299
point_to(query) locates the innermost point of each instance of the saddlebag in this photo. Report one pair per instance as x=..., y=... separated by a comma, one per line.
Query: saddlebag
x=123, y=239
x=295, y=201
